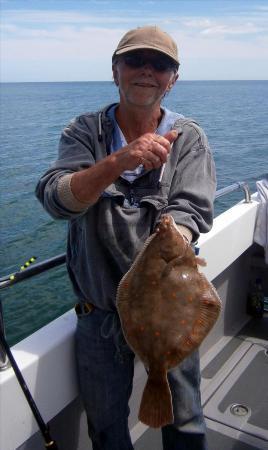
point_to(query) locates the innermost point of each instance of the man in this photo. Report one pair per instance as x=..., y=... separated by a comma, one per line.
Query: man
x=117, y=171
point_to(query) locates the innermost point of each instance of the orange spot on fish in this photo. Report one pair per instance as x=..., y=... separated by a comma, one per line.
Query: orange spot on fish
x=183, y=322
x=142, y=328
x=157, y=333
x=173, y=294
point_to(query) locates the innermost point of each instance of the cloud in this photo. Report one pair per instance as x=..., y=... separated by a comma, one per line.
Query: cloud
x=234, y=30
x=50, y=18
x=226, y=27
x=262, y=8
x=197, y=23
x=55, y=17
x=63, y=43
x=82, y=43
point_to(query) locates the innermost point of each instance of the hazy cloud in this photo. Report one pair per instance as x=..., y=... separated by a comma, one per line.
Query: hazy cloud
x=84, y=42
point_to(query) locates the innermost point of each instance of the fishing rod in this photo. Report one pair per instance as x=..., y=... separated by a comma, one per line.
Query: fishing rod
x=49, y=442
x=5, y=352
x=29, y=270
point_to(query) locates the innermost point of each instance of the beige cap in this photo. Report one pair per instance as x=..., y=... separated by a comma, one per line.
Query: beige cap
x=150, y=37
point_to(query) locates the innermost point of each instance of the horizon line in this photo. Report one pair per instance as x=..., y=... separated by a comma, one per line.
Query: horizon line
x=112, y=82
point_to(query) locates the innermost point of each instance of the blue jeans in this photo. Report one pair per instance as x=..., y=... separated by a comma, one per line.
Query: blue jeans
x=105, y=371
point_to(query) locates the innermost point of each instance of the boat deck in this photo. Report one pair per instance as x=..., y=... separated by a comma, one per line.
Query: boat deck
x=234, y=393
x=234, y=360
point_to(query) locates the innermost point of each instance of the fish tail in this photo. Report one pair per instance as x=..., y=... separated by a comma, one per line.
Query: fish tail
x=156, y=403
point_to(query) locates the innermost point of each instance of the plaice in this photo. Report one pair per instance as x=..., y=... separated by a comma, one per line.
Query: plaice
x=166, y=307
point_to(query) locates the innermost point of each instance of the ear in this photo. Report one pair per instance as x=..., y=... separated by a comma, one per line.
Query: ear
x=173, y=81
x=115, y=73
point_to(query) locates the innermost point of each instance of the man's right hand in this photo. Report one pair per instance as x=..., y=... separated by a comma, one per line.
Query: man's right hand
x=151, y=150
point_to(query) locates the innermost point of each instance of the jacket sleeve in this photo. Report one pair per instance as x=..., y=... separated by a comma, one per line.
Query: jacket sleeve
x=76, y=152
x=193, y=185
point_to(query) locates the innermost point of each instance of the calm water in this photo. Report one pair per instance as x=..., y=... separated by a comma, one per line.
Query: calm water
x=233, y=114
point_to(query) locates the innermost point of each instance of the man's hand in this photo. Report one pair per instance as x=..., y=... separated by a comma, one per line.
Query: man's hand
x=151, y=150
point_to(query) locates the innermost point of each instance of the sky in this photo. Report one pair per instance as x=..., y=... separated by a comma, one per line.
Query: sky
x=63, y=40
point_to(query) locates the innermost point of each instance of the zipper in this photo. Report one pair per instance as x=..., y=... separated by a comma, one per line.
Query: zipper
x=132, y=196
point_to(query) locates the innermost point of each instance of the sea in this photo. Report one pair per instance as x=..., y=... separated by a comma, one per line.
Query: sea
x=232, y=113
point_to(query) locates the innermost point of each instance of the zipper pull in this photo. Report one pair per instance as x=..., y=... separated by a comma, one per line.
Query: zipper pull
x=132, y=197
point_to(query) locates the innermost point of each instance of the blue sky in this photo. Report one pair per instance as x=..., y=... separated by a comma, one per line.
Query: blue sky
x=63, y=40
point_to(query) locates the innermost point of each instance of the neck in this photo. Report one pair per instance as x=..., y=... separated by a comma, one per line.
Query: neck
x=137, y=121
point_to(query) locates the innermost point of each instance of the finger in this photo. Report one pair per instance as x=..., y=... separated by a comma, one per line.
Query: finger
x=150, y=160
x=157, y=138
x=171, y=136
x=160, y=151
x=148, y=165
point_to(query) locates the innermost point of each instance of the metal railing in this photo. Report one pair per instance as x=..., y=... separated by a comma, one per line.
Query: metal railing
x=235, y=187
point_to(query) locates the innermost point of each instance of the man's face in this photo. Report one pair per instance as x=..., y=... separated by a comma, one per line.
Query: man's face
x=143, y=77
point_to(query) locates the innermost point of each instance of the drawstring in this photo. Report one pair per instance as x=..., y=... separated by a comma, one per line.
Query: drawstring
x=111, y=328
x=99, y=128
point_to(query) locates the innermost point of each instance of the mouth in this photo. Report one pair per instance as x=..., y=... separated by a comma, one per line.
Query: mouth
x=144, y=84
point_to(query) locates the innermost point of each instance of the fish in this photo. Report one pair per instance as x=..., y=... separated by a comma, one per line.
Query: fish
x=166, y=308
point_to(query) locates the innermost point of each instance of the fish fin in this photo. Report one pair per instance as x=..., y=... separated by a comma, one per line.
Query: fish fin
x=156, y=403
x=122, y=288
x=200, y=261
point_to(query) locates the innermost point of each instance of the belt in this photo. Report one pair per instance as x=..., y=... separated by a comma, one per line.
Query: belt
x=83, y=308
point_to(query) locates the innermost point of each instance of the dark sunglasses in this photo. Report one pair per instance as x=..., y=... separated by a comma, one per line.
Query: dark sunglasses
x=159, y=63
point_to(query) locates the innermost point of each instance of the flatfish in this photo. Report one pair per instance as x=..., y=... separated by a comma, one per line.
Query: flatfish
x=166, y=308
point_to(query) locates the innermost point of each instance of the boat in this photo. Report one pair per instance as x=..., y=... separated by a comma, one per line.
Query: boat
x=234, y=356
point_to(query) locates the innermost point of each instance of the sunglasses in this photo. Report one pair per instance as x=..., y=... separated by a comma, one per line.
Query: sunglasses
x=159, y=63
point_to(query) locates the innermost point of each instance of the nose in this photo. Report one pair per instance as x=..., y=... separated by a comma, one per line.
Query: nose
x=148, y=68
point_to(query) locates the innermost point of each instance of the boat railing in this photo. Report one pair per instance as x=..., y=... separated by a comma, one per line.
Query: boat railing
x=58, y=260
x=235, y=187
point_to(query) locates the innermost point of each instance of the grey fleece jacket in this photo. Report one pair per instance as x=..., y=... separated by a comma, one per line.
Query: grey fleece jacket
x=104, y=238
